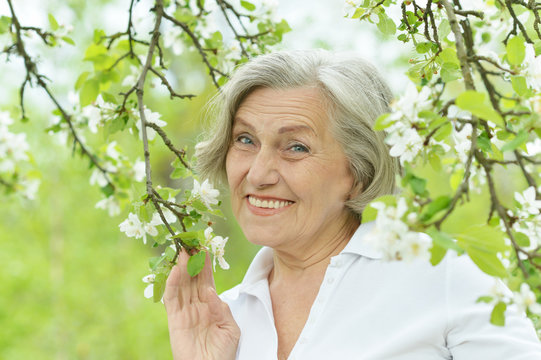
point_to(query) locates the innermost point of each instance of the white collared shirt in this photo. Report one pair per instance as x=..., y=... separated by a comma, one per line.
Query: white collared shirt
x=370, y=309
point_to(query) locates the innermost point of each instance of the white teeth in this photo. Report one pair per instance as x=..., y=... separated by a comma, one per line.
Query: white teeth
x=268, y=204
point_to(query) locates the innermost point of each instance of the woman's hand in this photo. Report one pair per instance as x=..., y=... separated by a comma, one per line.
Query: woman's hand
x=201, y=326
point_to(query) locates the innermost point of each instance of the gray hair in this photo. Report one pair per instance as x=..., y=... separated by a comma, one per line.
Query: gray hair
x=356, y=95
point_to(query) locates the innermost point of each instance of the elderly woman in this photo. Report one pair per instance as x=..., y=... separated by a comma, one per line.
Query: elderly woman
x=295, y=144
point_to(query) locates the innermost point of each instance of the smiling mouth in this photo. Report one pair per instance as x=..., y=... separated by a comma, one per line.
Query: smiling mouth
x=267, y=203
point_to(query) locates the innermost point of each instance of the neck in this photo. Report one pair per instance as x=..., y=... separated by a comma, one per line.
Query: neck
x=313, y=256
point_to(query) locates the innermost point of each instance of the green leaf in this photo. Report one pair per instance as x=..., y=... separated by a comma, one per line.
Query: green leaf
x=190, y=238
x=450, y=72
x=381, y=122
x=358, y=13
x=487, y=262
x=386, y=25
x=516, y=50
x=437, y=205
x=370, y=213
x=520, y=139
x=522, y=239
x=53, y=22
x=519, y=85
x=497, y=317
x=482, y=237
x=199, y=205
x=5, y=23
x=475, y=102
x=180, y=173
x=89, y=92
x=434, y=161
x=443, y=132
x=448, y=55
x=154, y=262
x=281, y=28
x=196, y=263
x=444, y=240
x=68, y=40
x=423, y=47
x=437, y=253
x=159, y=287
x=81, y=79
x=485, y=299
x=444, y=29
x=170, y=253
x=108, y=190
x=484, y=142
x=247, y=5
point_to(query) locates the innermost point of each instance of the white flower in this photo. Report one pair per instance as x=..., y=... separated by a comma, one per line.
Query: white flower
x=149, y=290
x=133, y=227
x=98, y=177
x=112, y=151
x=206, y=192
x=150, y=117
x=172, y=39
x=392, y=237
x=350, y=6
x=93, y=115
x=534, y=147
x=30, y=188
x=499, y=290
x=525, y=299
x=5, y=119
x=533, y=68
x=462, y=140
x=131, y=79
x=405, y=143
x=528, y=202
x=139, y=171
x=415, y=246
x=411, y=103
x=216, y=245
x=110, y=204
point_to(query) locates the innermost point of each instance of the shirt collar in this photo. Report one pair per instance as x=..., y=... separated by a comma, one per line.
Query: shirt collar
x=259, y=269
x=360, y=245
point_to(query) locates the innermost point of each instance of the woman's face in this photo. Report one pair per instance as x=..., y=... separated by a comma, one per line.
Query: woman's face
x=288, y=176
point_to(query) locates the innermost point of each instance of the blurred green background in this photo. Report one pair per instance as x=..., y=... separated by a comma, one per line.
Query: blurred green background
x=70, y=281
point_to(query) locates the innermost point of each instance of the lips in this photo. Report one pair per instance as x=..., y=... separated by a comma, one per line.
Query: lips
x=268, y=203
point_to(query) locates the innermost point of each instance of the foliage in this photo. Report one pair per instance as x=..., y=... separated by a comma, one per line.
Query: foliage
x=473, y=108
x=112, y=102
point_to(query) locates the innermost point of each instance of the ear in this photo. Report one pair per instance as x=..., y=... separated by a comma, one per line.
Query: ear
x=356, y=189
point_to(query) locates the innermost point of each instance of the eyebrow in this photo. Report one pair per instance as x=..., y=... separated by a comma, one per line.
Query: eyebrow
x=284, y=129
x=294, y=128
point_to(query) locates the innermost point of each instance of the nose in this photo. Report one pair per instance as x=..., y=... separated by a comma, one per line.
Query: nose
x=263, y=171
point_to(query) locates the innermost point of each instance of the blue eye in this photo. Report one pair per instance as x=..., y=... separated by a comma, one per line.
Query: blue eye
x=244, y=140
x=299, y=148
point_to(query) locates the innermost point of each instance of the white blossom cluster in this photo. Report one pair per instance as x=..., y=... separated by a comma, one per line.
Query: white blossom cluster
x=114, y=162
x=524, y=299
x=392, y=236
x=528, y=215
x=216, y=246
x=134, y=227
x=14, y=151
x=405, y=141
x=205, y=192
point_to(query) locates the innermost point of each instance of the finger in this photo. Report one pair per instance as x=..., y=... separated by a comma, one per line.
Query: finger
x=205, y=279
x=219, y=310
x=170, y=296
x=184, y=289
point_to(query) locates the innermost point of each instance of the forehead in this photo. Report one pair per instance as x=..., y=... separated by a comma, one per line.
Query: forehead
x=297, y=106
